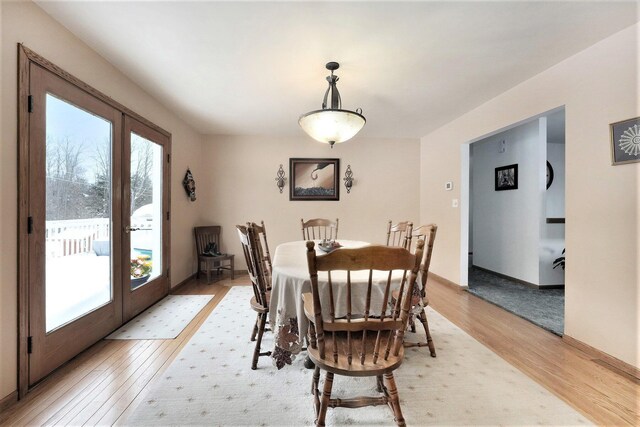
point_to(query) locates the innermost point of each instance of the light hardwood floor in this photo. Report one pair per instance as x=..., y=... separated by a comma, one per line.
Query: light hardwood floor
x=105, y=383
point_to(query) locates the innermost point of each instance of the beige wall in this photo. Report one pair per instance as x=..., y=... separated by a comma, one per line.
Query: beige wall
x=239, y=186
x=25, y=22
x=597, y=86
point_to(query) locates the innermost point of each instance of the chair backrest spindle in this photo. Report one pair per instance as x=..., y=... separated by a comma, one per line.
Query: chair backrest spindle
x=250, y=245
x=428, y=234
x=205, y=236
x=262, y=247
x=399, y=234
x=319, y=228
x=386, y=323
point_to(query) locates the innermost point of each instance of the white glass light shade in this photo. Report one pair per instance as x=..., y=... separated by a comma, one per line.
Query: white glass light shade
x=331, y=125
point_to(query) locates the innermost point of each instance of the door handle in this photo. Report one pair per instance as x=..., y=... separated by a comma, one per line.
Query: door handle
x=129, y=229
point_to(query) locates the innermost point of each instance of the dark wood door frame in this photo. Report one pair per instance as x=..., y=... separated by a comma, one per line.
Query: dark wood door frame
x=26, y=57
x=85, y=330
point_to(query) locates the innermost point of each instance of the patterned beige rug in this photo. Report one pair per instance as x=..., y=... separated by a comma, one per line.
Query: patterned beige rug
x=211, y=383
x=163, y=320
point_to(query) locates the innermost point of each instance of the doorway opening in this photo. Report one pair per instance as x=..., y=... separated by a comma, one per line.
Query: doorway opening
x=513, y=218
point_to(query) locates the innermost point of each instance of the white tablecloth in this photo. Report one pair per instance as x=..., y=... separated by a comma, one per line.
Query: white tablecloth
x=290, y=279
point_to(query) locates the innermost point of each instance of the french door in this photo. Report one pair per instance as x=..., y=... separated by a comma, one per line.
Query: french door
x=98, y=219
x=145, y=216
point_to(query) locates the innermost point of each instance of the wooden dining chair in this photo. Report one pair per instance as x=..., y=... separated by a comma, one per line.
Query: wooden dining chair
x=399, y=234
x=208, y=238
x=263, y=247
x=260, y=300
x=318, y=229
x=362, y=343
x=420, y=299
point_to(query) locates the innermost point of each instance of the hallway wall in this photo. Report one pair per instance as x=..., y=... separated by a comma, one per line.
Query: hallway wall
x=506, y=224
x=597, y=86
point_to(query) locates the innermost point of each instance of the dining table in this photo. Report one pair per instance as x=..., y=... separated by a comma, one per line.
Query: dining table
x=290, y=279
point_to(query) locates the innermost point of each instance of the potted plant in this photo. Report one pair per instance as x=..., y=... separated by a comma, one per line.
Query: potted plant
x=140, y=270
x=559, y=262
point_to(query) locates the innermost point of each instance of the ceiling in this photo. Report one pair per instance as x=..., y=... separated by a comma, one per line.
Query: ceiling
x=251, y=68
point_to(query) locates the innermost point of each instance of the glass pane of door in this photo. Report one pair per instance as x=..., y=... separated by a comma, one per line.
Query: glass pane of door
x=146, y=210
x=78, y=212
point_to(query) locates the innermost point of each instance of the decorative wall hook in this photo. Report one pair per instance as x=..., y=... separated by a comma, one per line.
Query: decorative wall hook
x=189, y=185
x=280, y=179
x=348, y=179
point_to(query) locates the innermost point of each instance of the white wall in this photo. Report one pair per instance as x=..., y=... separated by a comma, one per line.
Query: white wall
x=240, y=187
x=506, y=232
x=555, y=194
x=597, y=86
x=552, y=239
x=25, y=22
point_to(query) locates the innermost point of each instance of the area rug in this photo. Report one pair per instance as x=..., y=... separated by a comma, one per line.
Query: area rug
x=542, y=307
x=211, y=383
x=164, y=320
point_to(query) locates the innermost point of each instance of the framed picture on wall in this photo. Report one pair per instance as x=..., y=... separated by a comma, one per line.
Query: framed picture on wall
x=507, y=178
x=314, y=179
x=625, y=141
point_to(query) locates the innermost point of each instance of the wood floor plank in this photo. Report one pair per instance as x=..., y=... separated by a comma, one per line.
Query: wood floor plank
x=92, y=403
x=602, y=395
x=105, y=384
x=188, y=333
x=113, y=364
x=118, y=401
x=133, y=384
x=61, y=382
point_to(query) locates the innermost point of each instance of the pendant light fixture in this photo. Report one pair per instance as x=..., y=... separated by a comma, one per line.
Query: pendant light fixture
x=332, y=125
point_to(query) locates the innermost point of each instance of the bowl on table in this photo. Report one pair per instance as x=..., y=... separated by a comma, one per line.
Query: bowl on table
x=329, y=246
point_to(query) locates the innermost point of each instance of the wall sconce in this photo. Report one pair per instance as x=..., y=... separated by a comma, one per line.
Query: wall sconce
x=348, y=179
x=280, y=179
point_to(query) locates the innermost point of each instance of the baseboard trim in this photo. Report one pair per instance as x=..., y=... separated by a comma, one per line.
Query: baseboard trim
x=8, y=400
x=445, y=281
x=602, y=356
x=184, y=282
x=522, y=282
x=194, y=275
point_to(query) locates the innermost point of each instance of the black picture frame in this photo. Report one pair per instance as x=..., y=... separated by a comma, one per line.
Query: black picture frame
x=314, y=179
x=625, y=141
x=506, y=177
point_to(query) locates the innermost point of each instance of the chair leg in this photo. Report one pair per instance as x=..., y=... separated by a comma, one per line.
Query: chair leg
x=199, y=268
x=232, y=270
x=412, y=323
x=311, y=335
x=255, y=328
x=314, y=383
x=206, y=265
x=324, y=403
x=394, y=400
x=256, y=352
x=432, y=347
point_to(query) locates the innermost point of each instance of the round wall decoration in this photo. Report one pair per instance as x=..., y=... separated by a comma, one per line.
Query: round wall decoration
x=189, y=185
x=549, y=175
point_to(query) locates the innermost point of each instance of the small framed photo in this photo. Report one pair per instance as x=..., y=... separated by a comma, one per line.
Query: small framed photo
x=625, y=141
x=314, y=179
x=507, y=178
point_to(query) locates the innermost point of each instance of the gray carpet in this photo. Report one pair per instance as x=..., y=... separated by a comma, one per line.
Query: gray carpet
x=543, y=307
